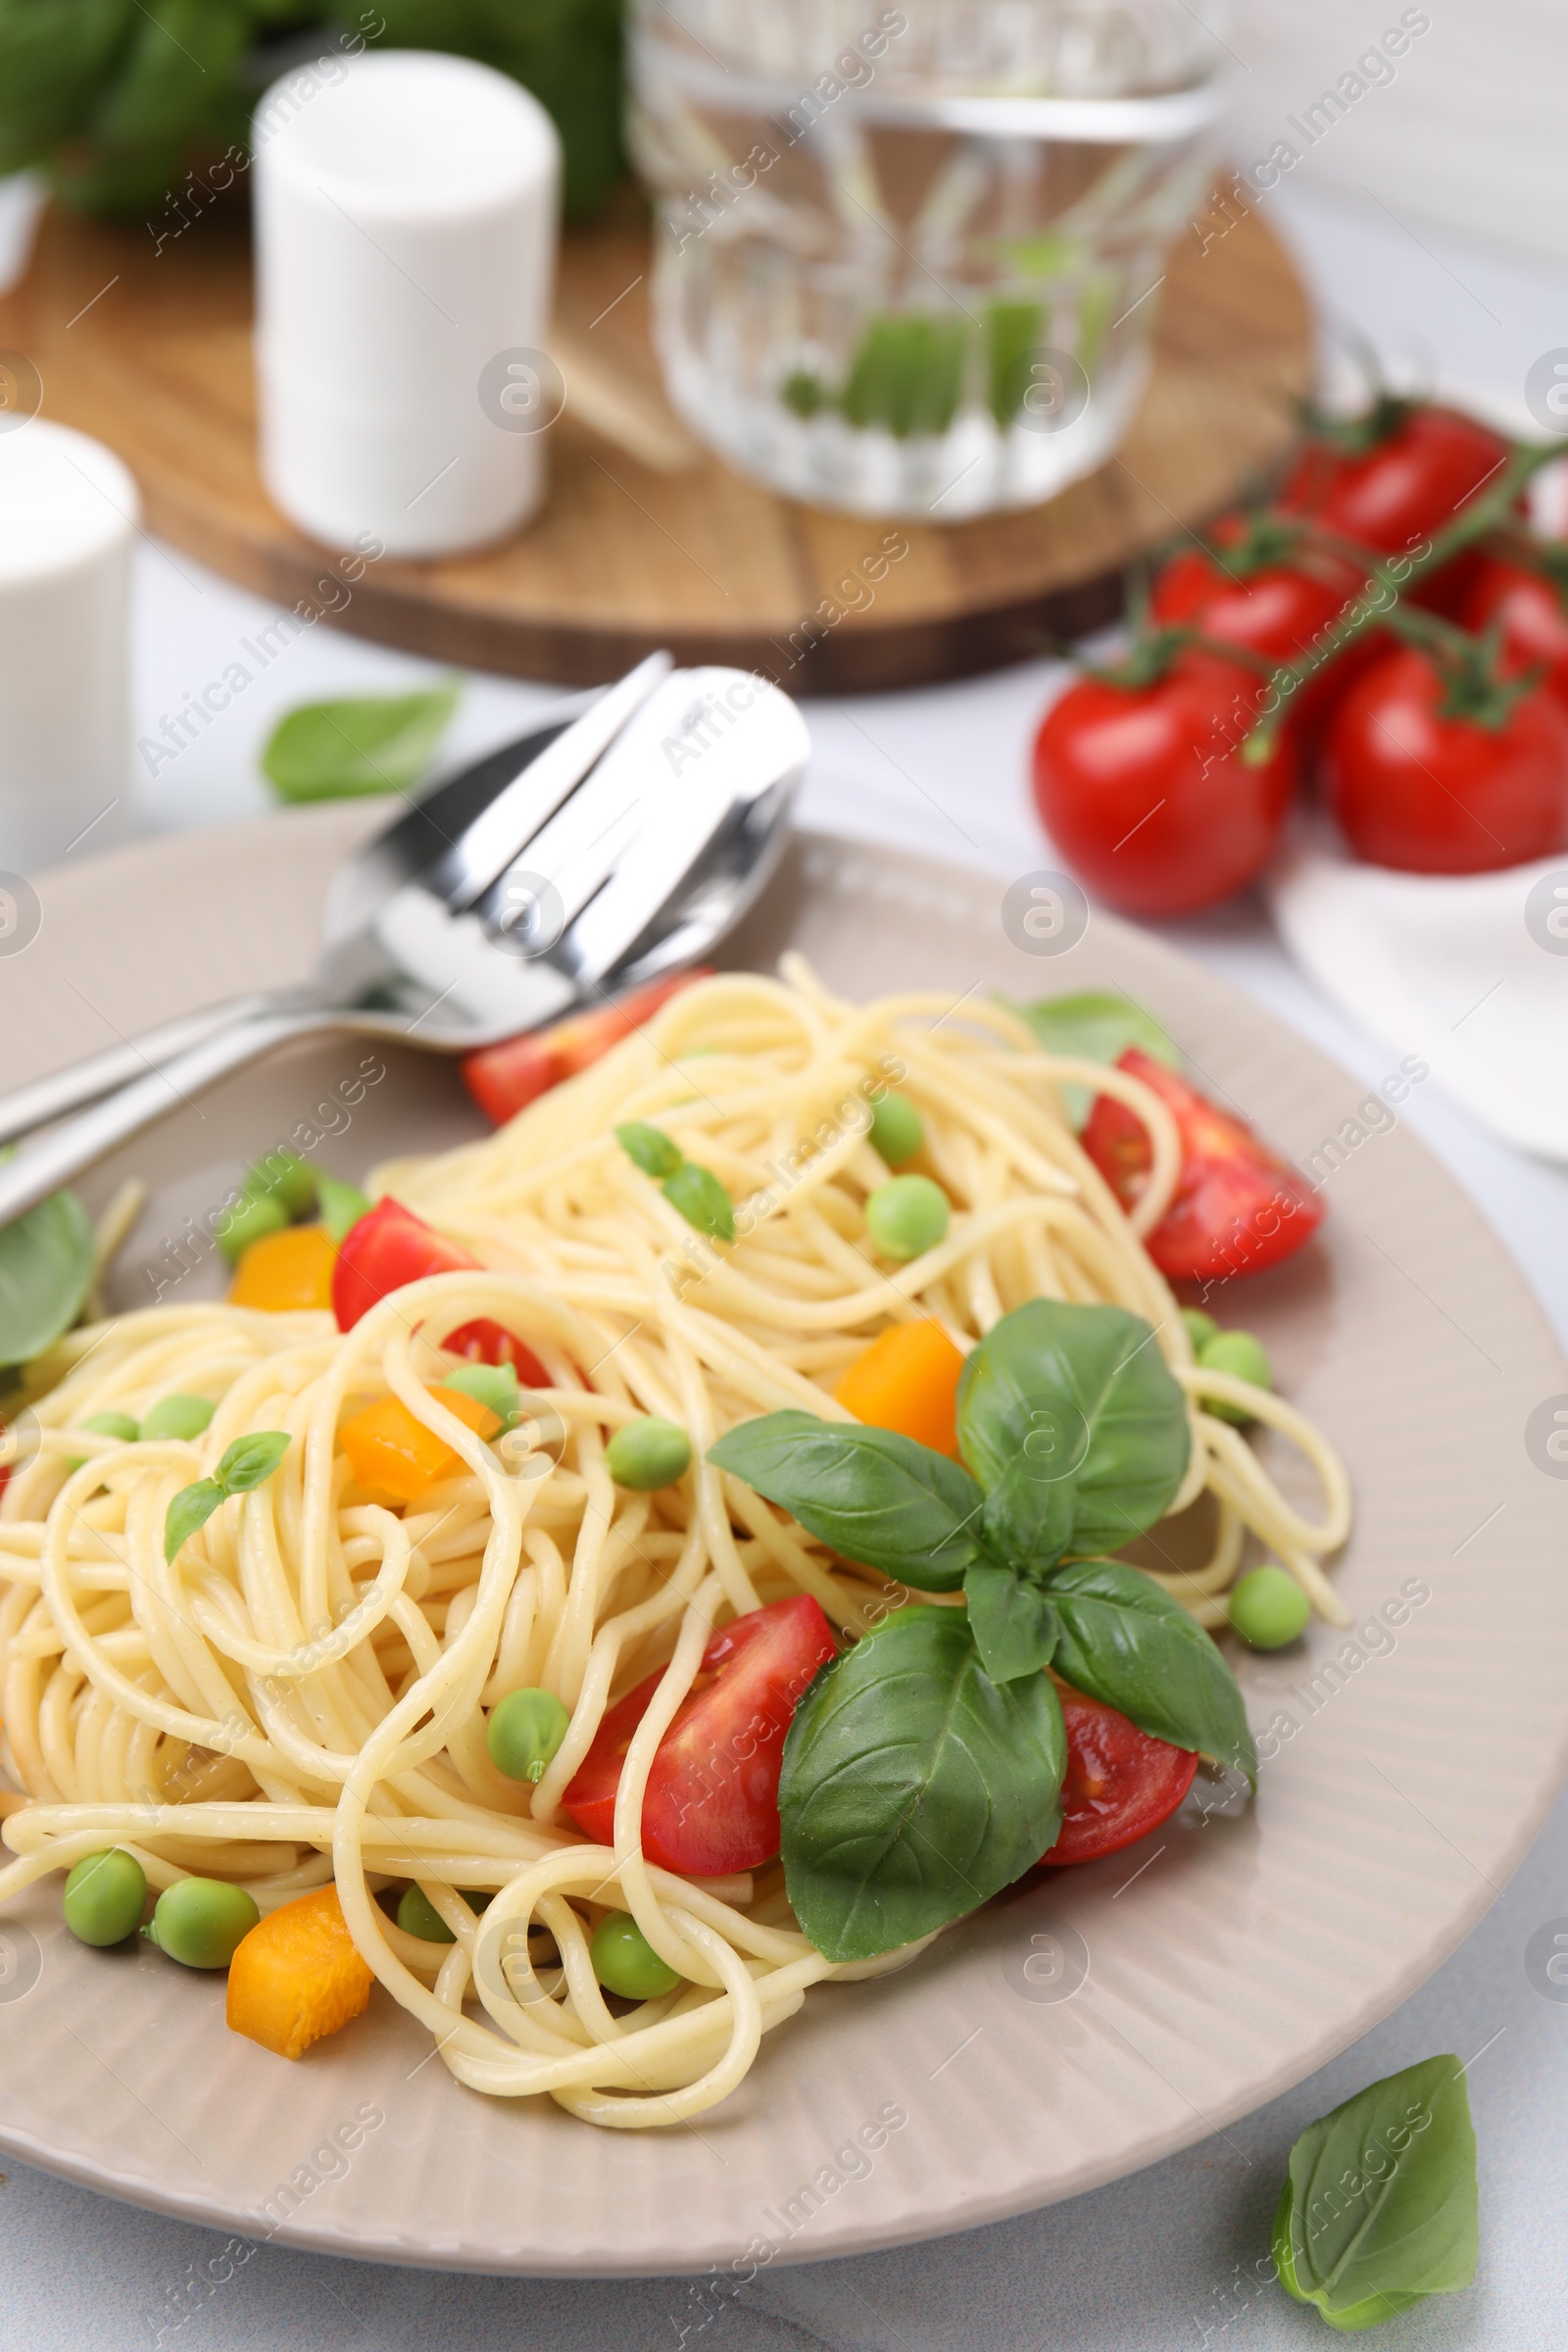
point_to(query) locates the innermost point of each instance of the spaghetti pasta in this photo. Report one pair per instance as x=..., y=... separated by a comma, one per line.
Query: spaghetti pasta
x=298, y=1697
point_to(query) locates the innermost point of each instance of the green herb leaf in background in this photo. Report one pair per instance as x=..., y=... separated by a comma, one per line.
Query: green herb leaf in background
x=1096, y=1027
x=1379, y=2205
x=1127, y=1643
x=1081, y=1391
x=877, y=1497
x=912, y=1787
x=45, y=1274
x=650, y=1149
x=362, y=744
x=701, y=1201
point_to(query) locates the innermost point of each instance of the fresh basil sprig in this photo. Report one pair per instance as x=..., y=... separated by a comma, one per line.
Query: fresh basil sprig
x=249, y=1463
x=1379, y=2205
x=45, y=1275
x=1077, y=1436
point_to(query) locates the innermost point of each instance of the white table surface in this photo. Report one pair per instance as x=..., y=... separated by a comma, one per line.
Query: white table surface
x=1157, y=2261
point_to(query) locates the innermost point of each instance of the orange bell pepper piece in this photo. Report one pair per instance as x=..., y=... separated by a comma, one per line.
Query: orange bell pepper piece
x=907, y=1380
x=297, y=1976
x=396, y=1457
x=285, y=1271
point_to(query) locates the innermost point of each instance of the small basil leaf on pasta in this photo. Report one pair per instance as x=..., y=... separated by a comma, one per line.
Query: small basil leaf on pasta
x=45, y=1274
x=913, y=1786
x=1015, y=1621
x=1096, y=1027
x=250, y=1460
x=190, y=1509
x=1379, y=2206
x=701, y=1201
x=1127, y=1643
x=1029, y=1516
x=649, y=1148
x=877, y=1497
x=1079, y=1390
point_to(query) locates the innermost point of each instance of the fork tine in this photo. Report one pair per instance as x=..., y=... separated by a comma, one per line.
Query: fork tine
x=501, y=833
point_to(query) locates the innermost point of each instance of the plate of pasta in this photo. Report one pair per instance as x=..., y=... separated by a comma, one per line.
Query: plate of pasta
x=929, y=1574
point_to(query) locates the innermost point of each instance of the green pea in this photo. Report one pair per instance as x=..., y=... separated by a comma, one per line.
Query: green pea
x=648, y=1454
x=418, y=1916
x=1268, y=1608
x=252, y=1216
x=285, y=1177
x=1200, y=1328
x=105, y=1896
x=1244, y=1357
x=897, y=1129
x=342, y=1205
x=494, y=1385
x=625, y=1962
x=523, y=1733
x=177, y=1417
x=202, y=1921
x=907, y=1216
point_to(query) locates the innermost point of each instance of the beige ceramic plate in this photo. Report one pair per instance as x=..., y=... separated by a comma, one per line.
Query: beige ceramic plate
x=1091, y=2022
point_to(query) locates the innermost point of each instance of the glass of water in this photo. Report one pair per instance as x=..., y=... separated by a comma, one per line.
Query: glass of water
x=908, y=253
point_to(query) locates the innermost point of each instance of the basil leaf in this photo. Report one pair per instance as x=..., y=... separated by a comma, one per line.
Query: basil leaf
x=1096, y=1027
x=912, y=1787
x=1029, y=1519
x=190, y=1509
x=1084, y=1391
x=1126, y=1643
x=342, y=1205
x=250, y=1461
x=45, y=1275
x=649, y=1148
x=363, y=744
x=1013, y=1621
x=701, y=1201
x=1379, y=2206
x=877, y=1497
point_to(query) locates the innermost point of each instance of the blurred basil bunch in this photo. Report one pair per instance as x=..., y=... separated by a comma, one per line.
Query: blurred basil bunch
x=116, y=99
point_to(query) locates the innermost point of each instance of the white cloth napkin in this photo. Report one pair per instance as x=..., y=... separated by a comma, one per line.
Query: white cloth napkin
x=1468, y=970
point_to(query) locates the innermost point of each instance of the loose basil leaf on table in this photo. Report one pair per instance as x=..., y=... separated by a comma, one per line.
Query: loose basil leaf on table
x=877, y=1497
x=1379, y=2205
x=1096, y=1027
x=45, y=1274
x=362, y=744
x=1126, y=1643
x=1084, y=1391
x=1014, y=1623
x=912, y=1787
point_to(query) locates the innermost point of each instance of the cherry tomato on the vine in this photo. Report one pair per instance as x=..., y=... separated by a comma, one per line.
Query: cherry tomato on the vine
x=1417, y=785
x=1142, y=790
x=1120, y=1782
x=1534, y=612
x=1418, y=466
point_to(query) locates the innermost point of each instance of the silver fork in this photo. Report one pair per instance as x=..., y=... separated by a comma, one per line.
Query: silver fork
x=622, y=846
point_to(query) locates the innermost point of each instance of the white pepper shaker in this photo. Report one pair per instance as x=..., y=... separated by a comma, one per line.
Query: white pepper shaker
x=407, y=215
x=68, y=517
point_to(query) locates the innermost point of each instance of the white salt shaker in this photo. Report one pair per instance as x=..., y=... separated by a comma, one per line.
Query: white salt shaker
x=407, y=215
x=68, y=516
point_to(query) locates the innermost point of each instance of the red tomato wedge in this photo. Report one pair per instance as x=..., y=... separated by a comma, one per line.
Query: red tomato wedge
x=711, y=1801
x=390, y=1247
x=505, y=1079
x=1238, y=1208
x=1120, y=1784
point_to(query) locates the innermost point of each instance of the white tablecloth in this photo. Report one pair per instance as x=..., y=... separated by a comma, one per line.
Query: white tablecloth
x=1165, y=2258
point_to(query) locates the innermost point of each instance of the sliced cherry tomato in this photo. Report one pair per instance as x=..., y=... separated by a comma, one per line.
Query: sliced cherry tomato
x=711, y=1801
x=1417, y=786
x=1236, y=1207
x=1534, y=612
x=1141, y=788
x=1120, y=1784
x=505, y=1079
x=1420, y=466
x=392, y=1247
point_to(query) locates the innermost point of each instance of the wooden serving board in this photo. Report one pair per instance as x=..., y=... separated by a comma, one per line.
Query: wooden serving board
x=647, y=539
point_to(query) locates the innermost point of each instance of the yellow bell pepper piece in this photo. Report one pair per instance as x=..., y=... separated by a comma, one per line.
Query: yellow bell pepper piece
x=285, y=1271
x=395, y=1458
x=297, y=1976
x=907, y=1380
